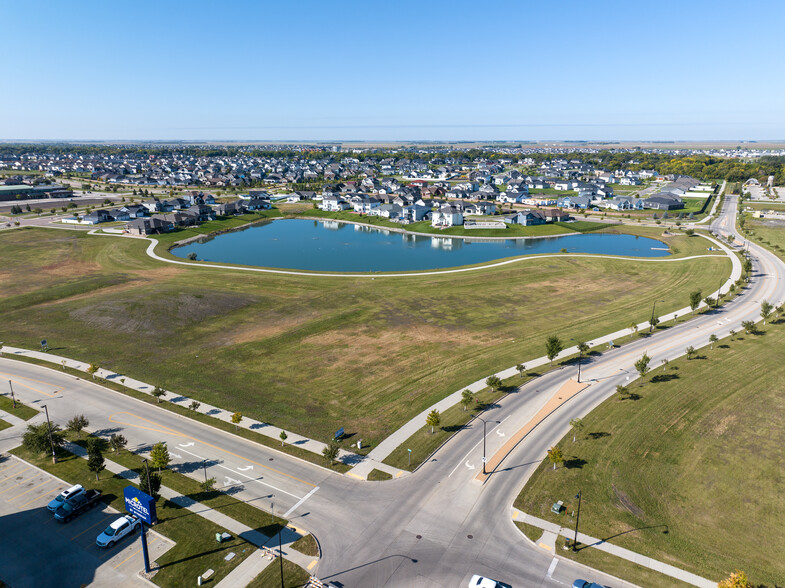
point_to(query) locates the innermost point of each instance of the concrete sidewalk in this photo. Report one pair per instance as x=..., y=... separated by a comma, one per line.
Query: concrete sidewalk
x=552, y=530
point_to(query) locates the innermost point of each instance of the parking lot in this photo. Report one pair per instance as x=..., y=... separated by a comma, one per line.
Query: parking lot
x=39, y=551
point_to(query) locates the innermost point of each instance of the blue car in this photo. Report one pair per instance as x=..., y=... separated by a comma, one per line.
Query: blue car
x=586, y=584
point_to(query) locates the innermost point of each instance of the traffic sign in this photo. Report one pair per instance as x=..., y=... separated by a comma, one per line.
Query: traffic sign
x=140, y=505
x=339, y=433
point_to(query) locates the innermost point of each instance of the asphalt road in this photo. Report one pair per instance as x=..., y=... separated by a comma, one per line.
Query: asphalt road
x=438, y=526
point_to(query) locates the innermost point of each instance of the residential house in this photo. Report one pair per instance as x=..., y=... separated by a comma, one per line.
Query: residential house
x=447, y=216
x=148, y=226
x=334, y=203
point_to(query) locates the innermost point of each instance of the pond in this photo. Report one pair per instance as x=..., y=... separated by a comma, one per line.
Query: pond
x=332, y=246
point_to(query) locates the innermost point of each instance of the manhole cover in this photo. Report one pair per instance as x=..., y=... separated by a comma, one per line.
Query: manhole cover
x=418, y=536
x=271, y=459
x=470, y=536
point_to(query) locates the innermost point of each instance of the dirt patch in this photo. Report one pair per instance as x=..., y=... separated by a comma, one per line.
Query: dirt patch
x=628, y=504
x=721, y=427
x=160, y=314
x=270, y=325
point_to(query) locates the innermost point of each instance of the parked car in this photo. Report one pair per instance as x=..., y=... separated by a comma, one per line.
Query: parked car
x=77, y=504
x=125, y=525
x=478, y=581
x=586, y=584
x=63, y=496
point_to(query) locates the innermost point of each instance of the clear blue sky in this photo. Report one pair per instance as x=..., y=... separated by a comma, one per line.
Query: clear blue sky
x=393, y=70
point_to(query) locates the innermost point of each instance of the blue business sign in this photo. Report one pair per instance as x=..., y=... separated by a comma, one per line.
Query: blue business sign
x=339, y=433
x=140, y=504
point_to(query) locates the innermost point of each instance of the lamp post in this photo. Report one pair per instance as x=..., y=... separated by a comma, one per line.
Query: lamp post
x=13, y=398
x=49, y=426
x=484, y=422
x=204, y=467
x=577, y=519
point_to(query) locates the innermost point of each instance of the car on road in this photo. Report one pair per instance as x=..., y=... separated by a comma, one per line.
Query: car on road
x=63, y=496
x=125, y=525
x=478, y=581
x=586, y=584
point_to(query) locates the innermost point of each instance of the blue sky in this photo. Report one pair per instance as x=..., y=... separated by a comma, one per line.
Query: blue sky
x=401, y=70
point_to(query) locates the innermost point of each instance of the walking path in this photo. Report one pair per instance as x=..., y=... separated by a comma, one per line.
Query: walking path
x=258, y=561
x=362, y=466
x=386, y=447
x=551, y=531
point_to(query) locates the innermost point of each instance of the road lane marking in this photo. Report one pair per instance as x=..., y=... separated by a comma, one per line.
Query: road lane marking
x=21, y=506
x=13, y=377
x=303, y=499
x=312, y=564
x=186, y=436
x=552, y=567
x=31, y=489
x=247, y=476
x=475, y=447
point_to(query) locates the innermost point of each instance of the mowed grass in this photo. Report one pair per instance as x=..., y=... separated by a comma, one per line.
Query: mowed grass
x=21, y=411
x=698, y=455
x=312, y=354
x=293, y=576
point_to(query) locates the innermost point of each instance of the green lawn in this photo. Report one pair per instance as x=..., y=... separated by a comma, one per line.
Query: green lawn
x=21, y=411
x=307, y=545
x=363, y=354
x=196, y=549
x=696, y=452
x=378, y=476
x=293, y=576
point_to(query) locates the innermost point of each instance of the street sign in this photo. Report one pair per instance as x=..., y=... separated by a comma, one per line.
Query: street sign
x=43, y=343
x=140, y=505
x=339, y=433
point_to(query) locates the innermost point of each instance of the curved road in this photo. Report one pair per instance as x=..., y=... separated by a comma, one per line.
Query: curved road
x=438, y=526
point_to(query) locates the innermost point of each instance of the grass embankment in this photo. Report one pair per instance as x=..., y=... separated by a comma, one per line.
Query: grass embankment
x=312, y=354
x=293, y=576
x=307, y=545
x=21, y=411
x=695, y=452
x=378, y=476
x=196, y=549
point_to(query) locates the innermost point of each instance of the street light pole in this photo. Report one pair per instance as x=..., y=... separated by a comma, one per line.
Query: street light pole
x=580, y=359
x=483, y=443
x=13, y=398
x=204, y=467
x=577, y=519
x=49, y=426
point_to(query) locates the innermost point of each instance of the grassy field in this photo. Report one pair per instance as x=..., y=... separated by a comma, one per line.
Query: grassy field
x=358, y=353
x=307, y=545
x=195, y=550
x=695, y=452
x=21, y=411
x=293, y=576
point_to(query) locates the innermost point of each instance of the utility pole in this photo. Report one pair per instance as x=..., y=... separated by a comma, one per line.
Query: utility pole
x=49, y=426
x=13, y=398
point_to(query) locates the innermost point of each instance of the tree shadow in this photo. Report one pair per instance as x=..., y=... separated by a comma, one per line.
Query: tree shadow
x=664, y=378
x=574, y=463
x=599, y=435
x=483, y=406
x=454, y=428
x=632, y=396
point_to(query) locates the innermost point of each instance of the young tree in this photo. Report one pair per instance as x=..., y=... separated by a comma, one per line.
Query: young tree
x=712, y=340
x=36, y=438
x=92, y=369
x=117, y=442
x=695, y=299
x=690, y=352
x=95, y=456
x=633, y=327
x=76, y=424
x=583, y=347
x=653, y=322
x=158, y=393
x=737, y=579
x=553, y=347
x=577, y=426
x=766, y=310
x=236, y=418
x=330, y=452
x=642, y=365
x=433, y=419
x=194, y=406
x=521, y=369
x=555, y=456
x=159, y=456
x=749, y=327
x=622, y=391
x=208, y=485
x=493, y=382
x=467, y=398
x=154, y=483
x=283, y=437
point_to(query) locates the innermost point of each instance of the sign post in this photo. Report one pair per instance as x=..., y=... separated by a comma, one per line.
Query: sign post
x=43, y=344
x=339, y=434
x=142, y=506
